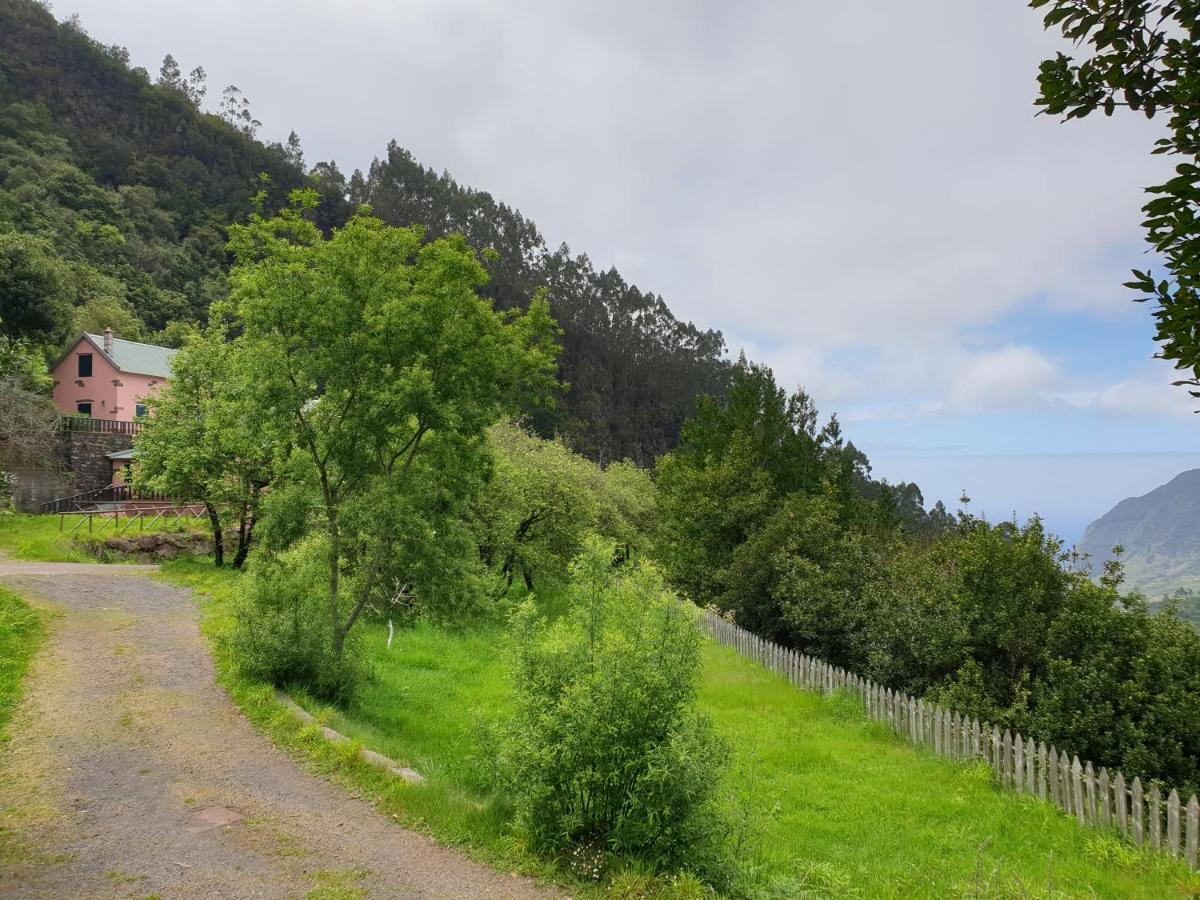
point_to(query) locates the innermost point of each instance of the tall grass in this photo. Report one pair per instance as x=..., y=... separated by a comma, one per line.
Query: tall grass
x=20, y=634
x=38, y=538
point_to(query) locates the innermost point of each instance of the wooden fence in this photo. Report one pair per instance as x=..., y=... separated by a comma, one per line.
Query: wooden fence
x=121, y=521
x=1101, y=799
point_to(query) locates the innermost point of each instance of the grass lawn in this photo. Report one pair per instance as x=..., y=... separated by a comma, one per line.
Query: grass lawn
x=829, y=804
x=39, y=538
x=20, y=634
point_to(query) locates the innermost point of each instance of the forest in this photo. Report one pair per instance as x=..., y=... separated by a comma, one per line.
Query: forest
x=398, y=403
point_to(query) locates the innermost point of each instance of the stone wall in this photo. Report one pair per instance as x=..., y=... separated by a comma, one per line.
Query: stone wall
x=84, y=456
x=33, y=487
x=80, y=464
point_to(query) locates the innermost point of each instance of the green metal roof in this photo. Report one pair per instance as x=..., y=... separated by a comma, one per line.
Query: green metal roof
x=123, y=454
x=137, y=359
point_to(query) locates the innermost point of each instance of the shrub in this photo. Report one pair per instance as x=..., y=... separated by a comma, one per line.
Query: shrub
x=605, y=747
x=282, y=629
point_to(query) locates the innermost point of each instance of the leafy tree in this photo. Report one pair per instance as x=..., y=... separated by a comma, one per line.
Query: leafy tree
x=542, y=499
x=626, y=507
x=537, y=506
x=1141, y=55
x=706, y=513
x=33, y=297
x=196, y=446
x=605, y=746
x=373, y=363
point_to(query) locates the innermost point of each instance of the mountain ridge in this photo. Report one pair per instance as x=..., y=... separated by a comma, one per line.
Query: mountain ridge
x=1159, y=532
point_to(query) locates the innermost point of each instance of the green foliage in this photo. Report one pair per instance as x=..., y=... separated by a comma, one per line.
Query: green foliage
x=1141, y=55
x=605, y=746
x=542, y=498
x=370, y=364
x=536, y=508
x=283, y=633
x=33, y=290
x=195, y=445
x=755, y=493
x=991, y=623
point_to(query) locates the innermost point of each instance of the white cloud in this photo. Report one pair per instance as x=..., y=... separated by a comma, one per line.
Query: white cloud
x=857, y=173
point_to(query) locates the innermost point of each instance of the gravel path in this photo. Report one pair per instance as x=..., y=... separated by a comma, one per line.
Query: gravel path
x=131, y=774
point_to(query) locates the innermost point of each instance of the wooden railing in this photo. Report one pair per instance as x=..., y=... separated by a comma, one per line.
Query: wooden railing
x=101, y=426
x=1100, y=799
x=113, y=493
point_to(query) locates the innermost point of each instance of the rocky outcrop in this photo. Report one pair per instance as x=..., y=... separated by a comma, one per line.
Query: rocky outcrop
x=149, y=548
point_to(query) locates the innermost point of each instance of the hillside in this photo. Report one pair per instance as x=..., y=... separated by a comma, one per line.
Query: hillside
x=1160, y=533
x=116, y=189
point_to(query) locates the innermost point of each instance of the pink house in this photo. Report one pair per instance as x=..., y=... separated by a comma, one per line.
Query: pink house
x=102, y=377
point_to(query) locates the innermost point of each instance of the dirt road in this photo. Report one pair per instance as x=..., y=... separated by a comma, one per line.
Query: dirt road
x=131, y=774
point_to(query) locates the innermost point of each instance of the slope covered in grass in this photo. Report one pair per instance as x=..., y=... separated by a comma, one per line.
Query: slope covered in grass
x=824, y=800
x=38, y=538
x=20, y=633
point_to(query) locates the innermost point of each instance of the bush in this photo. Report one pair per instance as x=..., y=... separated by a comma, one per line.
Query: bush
x=605, y=747
x=282, y=630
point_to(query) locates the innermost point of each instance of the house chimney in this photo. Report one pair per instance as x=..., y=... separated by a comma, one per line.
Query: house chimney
x=108, y=341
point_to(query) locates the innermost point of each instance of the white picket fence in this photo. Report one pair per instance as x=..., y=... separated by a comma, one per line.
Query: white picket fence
x=1138, y=812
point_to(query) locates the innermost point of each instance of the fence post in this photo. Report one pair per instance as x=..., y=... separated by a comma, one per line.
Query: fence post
x=1155, y=817
x=1089, y=775
x=1052, y=779
x=1137, y=813
x=1173, y=822
x=1077, y=790
x=1019, y=763
x=1068, y=793
x=1193, y=831
x=1122, y=804
x=1106, y=818
x=1030, y=768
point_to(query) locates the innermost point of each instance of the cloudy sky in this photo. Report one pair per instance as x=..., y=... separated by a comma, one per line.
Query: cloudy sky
x=857, y=193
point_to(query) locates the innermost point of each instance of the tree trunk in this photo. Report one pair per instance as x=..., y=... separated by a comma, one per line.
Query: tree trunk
x=335, y=552
x=528, y=578
x=245, y=534
x=218, y=539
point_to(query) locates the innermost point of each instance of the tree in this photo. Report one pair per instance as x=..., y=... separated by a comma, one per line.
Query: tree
x=537, y=507
x=33, y=296
x=375, y=367
x=235, y=109
x=1142, y=56
x=194, y=88
x=169, y=73
x=198, y=444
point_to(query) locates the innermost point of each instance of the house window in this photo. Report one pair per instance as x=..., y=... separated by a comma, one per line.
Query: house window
x=139, y=410
x=84, y=407
x=85, y=365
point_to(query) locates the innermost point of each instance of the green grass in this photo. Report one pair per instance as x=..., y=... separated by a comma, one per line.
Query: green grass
x=20, y=634
x=46, y=539
x=37, y=538
x=825, y=803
